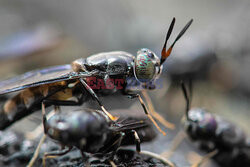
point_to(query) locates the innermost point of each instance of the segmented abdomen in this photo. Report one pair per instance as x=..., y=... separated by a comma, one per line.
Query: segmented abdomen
x=29, y=100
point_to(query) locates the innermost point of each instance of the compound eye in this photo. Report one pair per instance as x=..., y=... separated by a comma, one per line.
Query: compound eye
x=146, y=65
x=144, y=68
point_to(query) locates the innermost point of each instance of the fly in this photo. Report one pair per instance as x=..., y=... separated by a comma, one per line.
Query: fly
x=56, y=85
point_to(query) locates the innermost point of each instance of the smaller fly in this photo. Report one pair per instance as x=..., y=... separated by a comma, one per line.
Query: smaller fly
x=214, y=133
x=92, y=132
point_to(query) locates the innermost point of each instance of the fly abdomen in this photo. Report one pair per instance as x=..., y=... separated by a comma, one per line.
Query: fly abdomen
x=29, y=100
x=229, y=135
x=18, y=107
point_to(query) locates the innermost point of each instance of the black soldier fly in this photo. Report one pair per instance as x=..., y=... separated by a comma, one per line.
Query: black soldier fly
x=86, y=122
x=213, y=133
x=91, y=131
x=55, y=85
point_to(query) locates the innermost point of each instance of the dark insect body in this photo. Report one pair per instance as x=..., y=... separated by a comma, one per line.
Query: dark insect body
x=112, y=72
x=15, y=149
x=92, y=132
x=212, y=132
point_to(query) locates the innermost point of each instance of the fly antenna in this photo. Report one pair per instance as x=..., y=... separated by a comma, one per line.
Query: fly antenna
x=184, y=90
x=165, y=53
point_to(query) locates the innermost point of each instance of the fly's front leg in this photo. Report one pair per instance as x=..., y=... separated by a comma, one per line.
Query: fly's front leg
x=93, y=94
x=146, y=111
x=154, y=113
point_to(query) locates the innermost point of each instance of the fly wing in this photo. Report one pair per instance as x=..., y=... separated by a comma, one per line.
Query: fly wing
x=36, y=78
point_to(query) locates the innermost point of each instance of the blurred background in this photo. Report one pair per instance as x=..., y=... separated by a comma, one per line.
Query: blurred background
x=214, y=52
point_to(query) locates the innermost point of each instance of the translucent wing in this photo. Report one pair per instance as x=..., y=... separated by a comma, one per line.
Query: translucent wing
x=37, y=77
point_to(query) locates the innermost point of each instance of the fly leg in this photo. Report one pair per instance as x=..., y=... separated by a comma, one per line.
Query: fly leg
x=55, y=154
x=113, y=147
x=36, y=153
x=174, y=145
x=154, y=113
x=58, y=103
x=117, y=144
x=112, y=163
x=38, y=130
x=137, y=141
x=93, y=94
x=108, y=151
x=205, y=158
x=146, y=111
x=85, y=159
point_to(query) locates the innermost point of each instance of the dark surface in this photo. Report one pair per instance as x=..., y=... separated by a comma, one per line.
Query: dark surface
x=18, y=151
